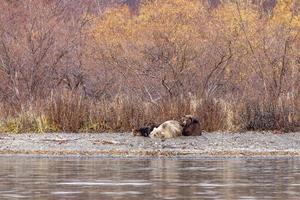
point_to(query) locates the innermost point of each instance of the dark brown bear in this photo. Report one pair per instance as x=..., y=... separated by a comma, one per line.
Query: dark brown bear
x=145, y=130
x=191, y=126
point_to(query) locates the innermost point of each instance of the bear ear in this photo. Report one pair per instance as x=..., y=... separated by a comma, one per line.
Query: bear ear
x=194, y=120
x=183, y=120
x=188, y=120
x=134, y=132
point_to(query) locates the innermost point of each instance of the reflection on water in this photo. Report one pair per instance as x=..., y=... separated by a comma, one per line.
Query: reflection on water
x=104, y=178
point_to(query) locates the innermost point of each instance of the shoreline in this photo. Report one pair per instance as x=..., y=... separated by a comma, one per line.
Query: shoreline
x=124, y=145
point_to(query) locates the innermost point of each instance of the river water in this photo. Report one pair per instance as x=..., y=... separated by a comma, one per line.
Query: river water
x=118, y=178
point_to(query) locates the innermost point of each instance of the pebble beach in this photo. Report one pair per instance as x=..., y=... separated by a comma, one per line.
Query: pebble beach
x=215, y=144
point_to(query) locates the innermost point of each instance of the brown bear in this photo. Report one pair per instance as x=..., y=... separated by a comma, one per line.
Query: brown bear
x=145, y=130
x=191, y=126
x=168, y=129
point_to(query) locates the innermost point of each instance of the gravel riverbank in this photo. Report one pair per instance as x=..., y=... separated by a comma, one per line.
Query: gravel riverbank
x=124, y=145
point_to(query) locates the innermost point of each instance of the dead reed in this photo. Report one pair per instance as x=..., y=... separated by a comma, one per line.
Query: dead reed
x=70, y=112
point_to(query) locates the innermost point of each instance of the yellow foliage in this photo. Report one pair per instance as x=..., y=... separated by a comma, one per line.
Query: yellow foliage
x=161, y=24
x=175, y=33
x=172, y=19
x=111, y=31
x=284, y=17
x=28, y=122
x=232, y=20
x=113, y=25
x=283, y=14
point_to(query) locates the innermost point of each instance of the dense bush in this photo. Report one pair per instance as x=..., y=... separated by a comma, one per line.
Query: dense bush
x=103, y=66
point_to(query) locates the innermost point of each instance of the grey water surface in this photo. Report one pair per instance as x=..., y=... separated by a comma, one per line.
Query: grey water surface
x=121, y=178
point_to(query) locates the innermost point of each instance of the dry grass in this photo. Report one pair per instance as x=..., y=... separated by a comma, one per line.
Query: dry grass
x=282, y=114
x=72, y=113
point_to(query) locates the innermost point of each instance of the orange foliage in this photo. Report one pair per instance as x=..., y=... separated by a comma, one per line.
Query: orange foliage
x=169, y=57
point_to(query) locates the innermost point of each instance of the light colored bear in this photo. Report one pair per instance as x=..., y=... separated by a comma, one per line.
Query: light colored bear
x=168, y=129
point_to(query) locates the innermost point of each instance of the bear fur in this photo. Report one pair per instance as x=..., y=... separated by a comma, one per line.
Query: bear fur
x=168, y=129
x=191, y=126
x=145, y=130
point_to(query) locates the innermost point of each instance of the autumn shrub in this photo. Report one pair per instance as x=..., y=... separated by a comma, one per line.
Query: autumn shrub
x=94, y=66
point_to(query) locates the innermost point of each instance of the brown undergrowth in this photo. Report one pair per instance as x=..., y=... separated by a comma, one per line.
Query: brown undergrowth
x=72, y=113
